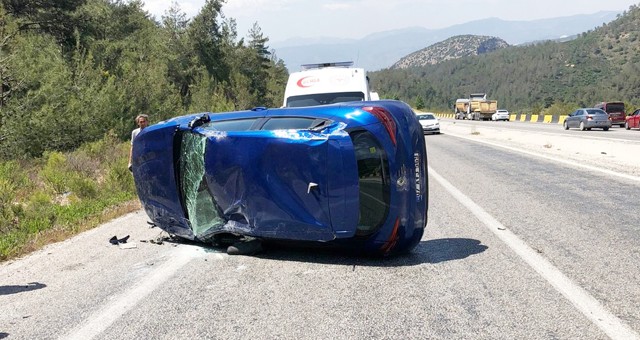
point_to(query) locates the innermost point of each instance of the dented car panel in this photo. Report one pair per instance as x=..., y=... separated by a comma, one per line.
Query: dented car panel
x=352, y=175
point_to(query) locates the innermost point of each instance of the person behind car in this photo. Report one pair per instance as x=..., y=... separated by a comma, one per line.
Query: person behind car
x=142, y=120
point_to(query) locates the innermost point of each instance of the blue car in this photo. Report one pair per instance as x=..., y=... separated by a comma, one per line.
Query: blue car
x=350, y=175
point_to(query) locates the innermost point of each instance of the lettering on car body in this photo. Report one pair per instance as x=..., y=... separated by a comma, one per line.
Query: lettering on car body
x=308, y=81
x=416, y=161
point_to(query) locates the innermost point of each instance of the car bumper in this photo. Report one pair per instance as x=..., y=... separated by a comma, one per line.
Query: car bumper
x=429, y=130
x=593, y=124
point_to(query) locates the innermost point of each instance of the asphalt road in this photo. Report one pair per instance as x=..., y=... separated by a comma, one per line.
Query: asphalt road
x=515, y=247
x=615, y=133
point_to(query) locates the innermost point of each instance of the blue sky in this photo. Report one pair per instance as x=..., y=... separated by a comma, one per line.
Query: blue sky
x=284, y=19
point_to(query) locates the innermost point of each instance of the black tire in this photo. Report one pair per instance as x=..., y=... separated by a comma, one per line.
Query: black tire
x=582, y=128
x=605, y=128
x=622, y=125
x=565, y=125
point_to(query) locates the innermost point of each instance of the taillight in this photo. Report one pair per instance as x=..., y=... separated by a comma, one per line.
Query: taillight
x=589, y=117
x=393, y=238
x=385, y=117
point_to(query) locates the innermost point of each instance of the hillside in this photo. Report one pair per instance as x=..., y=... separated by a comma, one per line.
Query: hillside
x=601, y=64
x=452, y=48
x=367, y=52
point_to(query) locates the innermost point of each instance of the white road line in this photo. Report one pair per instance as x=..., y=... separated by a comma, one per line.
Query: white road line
x=103, y=318
x=580, y=298
x=555, y=159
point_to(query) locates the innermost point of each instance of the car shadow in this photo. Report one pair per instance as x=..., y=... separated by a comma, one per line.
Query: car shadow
x=429, y=252
x=14, y=289
x=4, y=335
x=426, y=252
x=449, y=249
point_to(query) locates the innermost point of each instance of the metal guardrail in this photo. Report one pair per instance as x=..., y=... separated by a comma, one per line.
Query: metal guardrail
x=522, y=117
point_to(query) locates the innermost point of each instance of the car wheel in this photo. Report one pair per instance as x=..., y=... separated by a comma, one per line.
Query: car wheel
x=626, y=126
x=605, y=128
x=582, y=128
x=566, y=125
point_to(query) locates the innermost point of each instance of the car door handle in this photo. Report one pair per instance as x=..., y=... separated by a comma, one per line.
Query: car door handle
x=311, y=186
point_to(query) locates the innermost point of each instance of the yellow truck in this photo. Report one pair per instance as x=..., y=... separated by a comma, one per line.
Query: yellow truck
x=476, y=107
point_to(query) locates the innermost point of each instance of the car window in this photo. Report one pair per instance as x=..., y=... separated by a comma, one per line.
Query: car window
x=231, y=125
x=615, y=107
x=426, y=117
x=324, y=98
x=374, y=182
x=286, y=123
x=596, y=112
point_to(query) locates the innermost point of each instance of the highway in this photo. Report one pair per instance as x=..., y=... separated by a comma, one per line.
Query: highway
x=516, y=247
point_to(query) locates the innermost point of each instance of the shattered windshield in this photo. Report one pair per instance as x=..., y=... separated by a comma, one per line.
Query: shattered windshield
x=201, y=209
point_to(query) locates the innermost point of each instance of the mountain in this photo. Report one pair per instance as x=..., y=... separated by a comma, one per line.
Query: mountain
x=381, y=50
x=602, y=64
x=452, y=48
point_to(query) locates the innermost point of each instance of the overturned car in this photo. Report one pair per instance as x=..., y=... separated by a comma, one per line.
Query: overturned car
x=351, y=175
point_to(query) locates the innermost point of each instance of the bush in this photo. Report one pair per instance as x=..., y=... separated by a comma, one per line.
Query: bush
x=45, y=200
x=83, y=187
x=55, y=173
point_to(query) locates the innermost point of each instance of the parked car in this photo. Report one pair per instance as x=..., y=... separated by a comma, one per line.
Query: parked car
x=349, y=175
x=430, y=123
x=500, y=115
x=615, y=111
x=632, y=120
x=587, y=118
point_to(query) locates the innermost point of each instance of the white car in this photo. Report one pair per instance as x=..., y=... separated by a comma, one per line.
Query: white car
x=501, y=115
x=430, y=123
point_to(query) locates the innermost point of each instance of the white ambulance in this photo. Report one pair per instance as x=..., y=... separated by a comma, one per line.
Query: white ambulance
x=327, y=83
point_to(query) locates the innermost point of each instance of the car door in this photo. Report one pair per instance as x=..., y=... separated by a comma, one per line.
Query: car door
x=581, y=116
x=572, y=119
x=634, y=122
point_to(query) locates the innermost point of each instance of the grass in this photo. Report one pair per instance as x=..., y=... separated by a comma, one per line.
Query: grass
x=48, y=200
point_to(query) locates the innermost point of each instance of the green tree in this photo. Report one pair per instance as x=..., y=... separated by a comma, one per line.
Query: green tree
x=52, y=17
x=206, y=35
x=419, y=103
x=8, y=30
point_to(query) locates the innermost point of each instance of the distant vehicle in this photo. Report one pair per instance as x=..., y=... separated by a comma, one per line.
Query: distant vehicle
x=430, y=123
x=500, y=115
x=587, y=118
x=476, y=107
x=615, y=111
x=632, y=121
x=461, y=108
x=350, y=175
x=327, y=83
